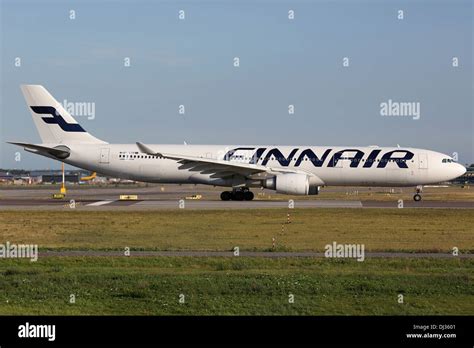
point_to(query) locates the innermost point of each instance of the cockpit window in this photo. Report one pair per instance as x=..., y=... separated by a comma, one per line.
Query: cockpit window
x=447, y=160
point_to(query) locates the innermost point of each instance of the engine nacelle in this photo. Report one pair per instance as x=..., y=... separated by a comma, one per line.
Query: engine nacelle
x=294, y=184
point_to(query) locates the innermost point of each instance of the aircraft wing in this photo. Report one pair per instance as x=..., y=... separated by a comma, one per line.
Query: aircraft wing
x=218, y=168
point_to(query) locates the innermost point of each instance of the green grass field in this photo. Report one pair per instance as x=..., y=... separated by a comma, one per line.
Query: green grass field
x=239, y=285
x=436, y=230
x=236, y=286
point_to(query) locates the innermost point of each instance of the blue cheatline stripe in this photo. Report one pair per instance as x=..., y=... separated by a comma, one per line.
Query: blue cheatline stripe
x=57, y=119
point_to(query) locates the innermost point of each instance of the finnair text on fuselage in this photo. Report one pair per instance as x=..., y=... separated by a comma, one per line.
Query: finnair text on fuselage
x=296, y=156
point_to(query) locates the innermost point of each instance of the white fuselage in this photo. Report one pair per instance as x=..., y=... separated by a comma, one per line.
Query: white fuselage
x=334, y=165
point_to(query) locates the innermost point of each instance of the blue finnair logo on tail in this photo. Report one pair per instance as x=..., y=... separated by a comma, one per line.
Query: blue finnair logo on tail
x=56, y=119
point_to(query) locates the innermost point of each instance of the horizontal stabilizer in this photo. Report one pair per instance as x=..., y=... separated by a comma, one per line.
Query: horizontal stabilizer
x=61, y=152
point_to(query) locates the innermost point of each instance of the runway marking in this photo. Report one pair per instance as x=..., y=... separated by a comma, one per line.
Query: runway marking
x=124, y=203
x=99, y=203
x=198, y=204
x=267, y=254
x=422, y=204
x=109, y=203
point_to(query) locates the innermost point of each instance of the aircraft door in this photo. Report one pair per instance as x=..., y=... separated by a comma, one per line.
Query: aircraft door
x=422, y=161
x=104, y=155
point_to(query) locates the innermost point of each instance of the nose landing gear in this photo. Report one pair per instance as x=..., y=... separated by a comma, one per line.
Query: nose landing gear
x=237, y=194
x=417, y=196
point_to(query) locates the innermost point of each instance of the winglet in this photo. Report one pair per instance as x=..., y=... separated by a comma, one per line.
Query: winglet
x=145, y=149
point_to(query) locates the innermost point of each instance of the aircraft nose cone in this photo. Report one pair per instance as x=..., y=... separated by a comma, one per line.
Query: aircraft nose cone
x=459, y=170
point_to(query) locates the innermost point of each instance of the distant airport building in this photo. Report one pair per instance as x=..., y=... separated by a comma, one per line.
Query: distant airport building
x=54, y=176
x=15, y=178
x=22, y=177
x=25, y=180
x=58, y=178
x=6, y=177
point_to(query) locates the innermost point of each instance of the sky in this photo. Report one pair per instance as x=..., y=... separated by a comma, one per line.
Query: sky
x=283, y=62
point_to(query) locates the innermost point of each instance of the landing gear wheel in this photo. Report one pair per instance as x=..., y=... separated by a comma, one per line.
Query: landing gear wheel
x=417, y=197
x=226, y=196
x=238, y=196
x=248, y=195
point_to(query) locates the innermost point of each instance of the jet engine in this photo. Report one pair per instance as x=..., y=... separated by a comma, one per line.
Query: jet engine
x=294, y=183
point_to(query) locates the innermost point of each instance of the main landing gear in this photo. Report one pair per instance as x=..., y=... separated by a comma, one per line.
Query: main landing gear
x=417, y=196
x=239, y=194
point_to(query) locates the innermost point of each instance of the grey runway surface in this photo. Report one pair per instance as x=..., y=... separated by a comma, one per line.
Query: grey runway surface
x=169, y=197
x=263, y=254
x=114, y=204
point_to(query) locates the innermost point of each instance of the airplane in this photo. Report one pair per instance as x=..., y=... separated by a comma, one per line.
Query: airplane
x=292, y=170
